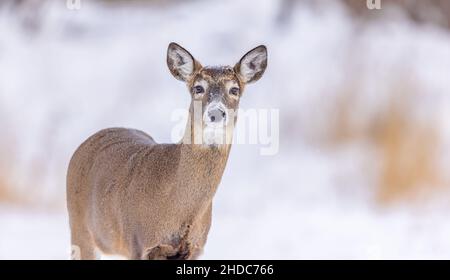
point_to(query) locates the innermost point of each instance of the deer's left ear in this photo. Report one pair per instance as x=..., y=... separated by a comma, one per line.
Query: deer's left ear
x=252, y=65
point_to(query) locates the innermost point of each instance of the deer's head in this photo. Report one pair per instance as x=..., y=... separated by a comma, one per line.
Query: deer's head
x=215, y=91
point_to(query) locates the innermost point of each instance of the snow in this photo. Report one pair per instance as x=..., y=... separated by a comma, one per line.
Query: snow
x=33, y=234
x=102, y=66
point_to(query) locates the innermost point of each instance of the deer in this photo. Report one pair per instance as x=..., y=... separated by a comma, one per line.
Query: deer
x=127, y=195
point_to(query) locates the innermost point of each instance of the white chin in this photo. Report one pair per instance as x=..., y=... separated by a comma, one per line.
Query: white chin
x=213, y=135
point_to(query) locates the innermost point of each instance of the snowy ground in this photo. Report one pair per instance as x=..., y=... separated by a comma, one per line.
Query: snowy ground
x=98, y=67
x=297, y=222
x=33, y=234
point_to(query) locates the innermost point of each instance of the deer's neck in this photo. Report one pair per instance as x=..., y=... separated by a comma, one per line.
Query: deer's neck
x=200, y=168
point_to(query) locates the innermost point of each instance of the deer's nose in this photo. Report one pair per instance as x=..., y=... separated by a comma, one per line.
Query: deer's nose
x=217, y=115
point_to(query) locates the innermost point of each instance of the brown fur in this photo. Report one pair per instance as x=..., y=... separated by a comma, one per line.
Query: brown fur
x=128, y=195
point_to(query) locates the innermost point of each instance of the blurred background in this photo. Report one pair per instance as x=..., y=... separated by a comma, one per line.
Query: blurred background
x=363, y=96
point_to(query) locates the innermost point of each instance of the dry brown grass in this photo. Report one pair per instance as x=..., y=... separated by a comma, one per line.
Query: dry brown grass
x=6, y=192
x=7, y=159
x=407, y=146
x=3, y=191
x=408, y=153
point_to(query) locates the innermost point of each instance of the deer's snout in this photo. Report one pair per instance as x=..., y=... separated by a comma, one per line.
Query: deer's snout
x=216, y=114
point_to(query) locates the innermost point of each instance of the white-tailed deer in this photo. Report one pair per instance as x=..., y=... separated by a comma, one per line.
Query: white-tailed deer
x=128, y=195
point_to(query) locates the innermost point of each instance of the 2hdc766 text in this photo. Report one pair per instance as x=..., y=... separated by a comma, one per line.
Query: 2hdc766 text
x=253, y=269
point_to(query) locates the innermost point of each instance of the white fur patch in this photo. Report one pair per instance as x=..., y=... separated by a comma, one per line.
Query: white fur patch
x=214, y=135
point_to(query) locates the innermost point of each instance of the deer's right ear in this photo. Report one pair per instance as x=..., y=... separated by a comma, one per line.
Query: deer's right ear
x=252, y=65
x=181, y=63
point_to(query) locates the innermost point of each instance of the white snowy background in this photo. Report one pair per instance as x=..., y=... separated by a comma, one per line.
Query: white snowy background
x=361, y=172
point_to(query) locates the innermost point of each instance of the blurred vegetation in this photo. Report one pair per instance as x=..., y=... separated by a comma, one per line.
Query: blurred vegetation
x=430, y=11
x=7, y=193
x=406, y=148
x=435, y=12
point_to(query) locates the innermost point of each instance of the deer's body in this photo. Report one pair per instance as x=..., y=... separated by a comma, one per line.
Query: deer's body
x=130, y=196
x=172, y=186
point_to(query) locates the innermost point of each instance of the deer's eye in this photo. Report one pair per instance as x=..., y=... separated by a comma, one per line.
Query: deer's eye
x=234, y=91
x=199, y=90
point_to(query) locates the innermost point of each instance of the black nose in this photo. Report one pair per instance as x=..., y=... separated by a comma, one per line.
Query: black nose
x=217, y=115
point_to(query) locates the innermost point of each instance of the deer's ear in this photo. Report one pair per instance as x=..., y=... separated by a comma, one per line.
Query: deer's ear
x=181, y=63
x=252, y=65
